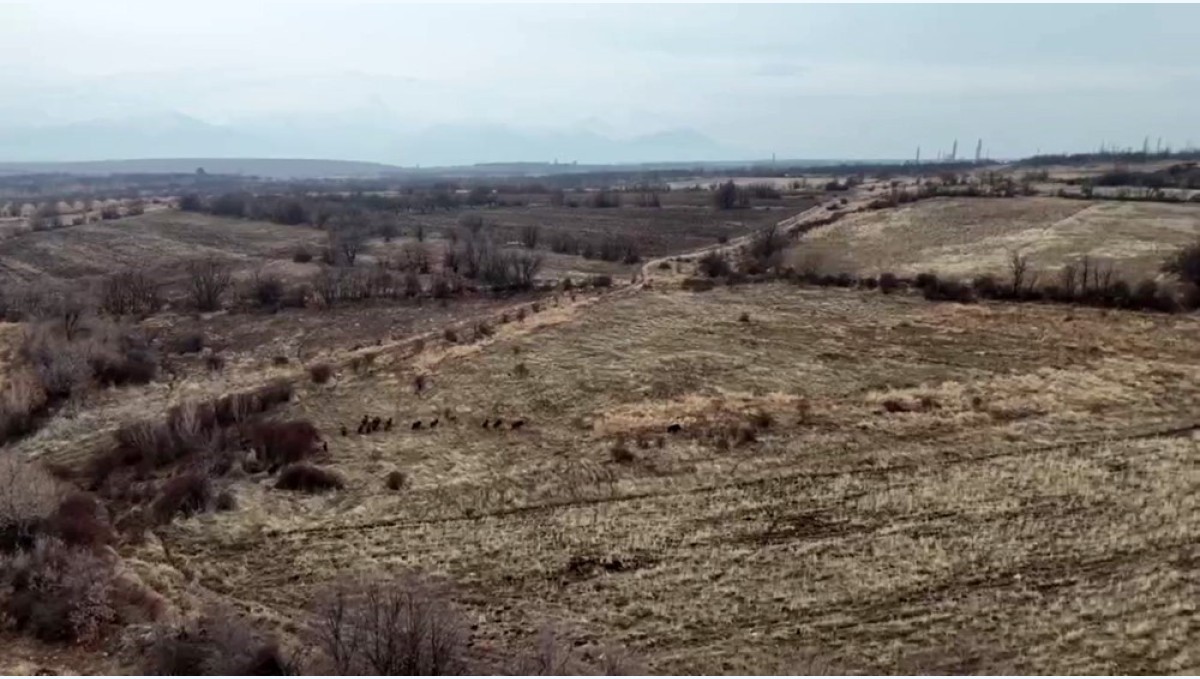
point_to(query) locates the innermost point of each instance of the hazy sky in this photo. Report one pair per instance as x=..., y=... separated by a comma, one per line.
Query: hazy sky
x=801, y=81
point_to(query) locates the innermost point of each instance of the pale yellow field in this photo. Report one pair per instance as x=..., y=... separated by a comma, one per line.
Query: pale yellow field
x=968, y=236
x=941, y=488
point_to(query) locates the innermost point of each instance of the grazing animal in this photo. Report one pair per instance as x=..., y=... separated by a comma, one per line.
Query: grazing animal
x=387, y=426
x=434, y=423
x=324, y=447
x=674, y=428
x=518, y=424
x=485, y=424
x=499, y=421
x=362, y=426
x=344, y=432
x=416, y=425
x=375, y=424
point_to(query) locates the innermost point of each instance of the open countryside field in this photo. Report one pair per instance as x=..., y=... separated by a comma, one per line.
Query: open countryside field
x=968, y=236
x=761, y=478
x=861, y=484
x=158, y=241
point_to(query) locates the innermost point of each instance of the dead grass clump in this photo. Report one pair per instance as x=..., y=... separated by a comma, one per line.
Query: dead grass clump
x=395, y=480
x=744, y=317
x=693, y=284
x=308, y=478
x=713, y=265
x=28, y=496
x=280, y=361
x=320, y=373
x=450, y=335
x=214, y=362
x=58, y=593
x=762, y=419
x=484, y=329
x=22, y=402
x=620, y=453
x=888, y=283
x=390, y=626
x=521, y=371
x=189, y=343
x=81, y=521
x=282, y=443
x=745, y=436
x=218, y=643
x=186, y=495
x=226, y=501
x=949, y=291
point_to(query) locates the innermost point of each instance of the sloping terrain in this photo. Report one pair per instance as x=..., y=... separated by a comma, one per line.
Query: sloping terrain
x=861, y=483
x=968, y=236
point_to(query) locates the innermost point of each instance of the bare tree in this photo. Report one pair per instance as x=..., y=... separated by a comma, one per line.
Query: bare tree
x=389, y=626
x=208, y=279
x=129, y=292
x=1018, y=266
x=345, y=245
x=525, y=266
x=530, y=235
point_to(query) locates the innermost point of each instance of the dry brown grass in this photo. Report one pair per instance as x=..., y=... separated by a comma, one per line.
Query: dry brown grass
x=1027, y=510
x=859, y=482
x=968, y=236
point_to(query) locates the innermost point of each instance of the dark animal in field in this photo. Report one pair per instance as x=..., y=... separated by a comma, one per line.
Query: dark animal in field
x=497, y=424
x=416, y=425
x=518, y=424
x=674, y=428
x=344, y=432
x=387, y=426
x=434, y=423
x=362, y=426
x=485, y=424
x=376, y=423
x=324, y=447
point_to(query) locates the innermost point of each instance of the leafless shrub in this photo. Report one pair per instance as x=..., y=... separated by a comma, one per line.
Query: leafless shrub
x=219, y=643
x=320, y=373
x=186, y=494
x=266, y=290
x=188, y=343
x=531, y=235
x=28, y=496
x=283, y=443
x=621, y=453
x=308, y=478
x=81, y=521
x=208, y=279
x=765, y=250
x=1185, y=264
x=58, y=593
x=713, y=264
x=395, y=480
x=389, y=626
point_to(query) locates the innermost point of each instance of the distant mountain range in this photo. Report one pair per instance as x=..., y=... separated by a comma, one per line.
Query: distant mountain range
x=181, y=136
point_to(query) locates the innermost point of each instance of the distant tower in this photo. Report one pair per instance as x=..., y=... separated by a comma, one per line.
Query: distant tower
x=918, y=155
x=1146, y=145
x=954, y=151
x=978, y=150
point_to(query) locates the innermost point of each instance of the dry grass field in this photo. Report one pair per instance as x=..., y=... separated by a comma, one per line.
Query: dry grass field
x=764, y=478
x=861, y=484
x=159, y=241
x=966, y=236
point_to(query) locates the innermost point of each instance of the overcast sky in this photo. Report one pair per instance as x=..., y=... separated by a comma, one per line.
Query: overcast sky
x=815, y=81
